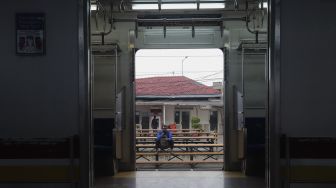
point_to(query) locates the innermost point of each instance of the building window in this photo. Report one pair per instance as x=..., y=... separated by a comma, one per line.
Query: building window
x=177, y=117
x=183, y=118
x=213, y=120
x=137, y=119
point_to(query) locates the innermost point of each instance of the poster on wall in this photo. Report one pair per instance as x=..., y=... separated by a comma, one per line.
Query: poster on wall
x=30, y=33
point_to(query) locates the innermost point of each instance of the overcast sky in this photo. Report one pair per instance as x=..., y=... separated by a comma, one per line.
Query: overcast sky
x=202, y=65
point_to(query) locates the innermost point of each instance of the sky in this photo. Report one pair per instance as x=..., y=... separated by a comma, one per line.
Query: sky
x=202, y=65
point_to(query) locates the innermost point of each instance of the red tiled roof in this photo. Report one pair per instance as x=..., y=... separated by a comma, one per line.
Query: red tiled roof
x=172, y=86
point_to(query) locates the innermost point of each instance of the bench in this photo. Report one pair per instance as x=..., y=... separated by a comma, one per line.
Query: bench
x=181, y=145
x=141, y=134
x=177, y=142
x=179, y=153
x=179, y=138
x=191, y=163
x=182, y=130
x=308, y=160
x=184, y=139
x=176, y=154
x=184, y=149
x=179, y=162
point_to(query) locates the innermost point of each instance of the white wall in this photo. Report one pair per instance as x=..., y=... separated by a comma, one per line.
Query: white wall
x=204, y=116
x=170, y=118
x=103, y=86
x=305, y=105
x=254, y=81
x=142, y=108
x=39, y=95
x=119, y=35
x=308, y=68
x=104, y=82
x=239, y=32
x=254, y=85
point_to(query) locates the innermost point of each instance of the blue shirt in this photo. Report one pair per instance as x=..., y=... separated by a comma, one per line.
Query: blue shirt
x=161, y=133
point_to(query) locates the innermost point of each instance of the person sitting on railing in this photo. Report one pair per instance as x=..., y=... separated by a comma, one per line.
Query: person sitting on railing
x=164, y=139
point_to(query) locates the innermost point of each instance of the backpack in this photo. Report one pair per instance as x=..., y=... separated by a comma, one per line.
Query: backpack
x=164, y=144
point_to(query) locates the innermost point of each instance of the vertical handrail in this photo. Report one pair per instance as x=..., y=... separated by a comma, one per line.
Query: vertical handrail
x=243, y=85
x=115, y=85
x=245, y=141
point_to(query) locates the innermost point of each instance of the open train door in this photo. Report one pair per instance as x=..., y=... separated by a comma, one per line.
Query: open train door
x=190, y=33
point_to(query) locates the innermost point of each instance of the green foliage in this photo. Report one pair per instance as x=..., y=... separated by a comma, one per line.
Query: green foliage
x=195, y=123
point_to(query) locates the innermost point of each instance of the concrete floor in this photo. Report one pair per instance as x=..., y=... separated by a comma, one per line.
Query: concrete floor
x=180, y=179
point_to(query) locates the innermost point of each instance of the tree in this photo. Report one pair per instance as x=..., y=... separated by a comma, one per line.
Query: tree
x=195, y=123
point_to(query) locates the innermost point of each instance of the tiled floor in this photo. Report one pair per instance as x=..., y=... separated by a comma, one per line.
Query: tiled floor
x=180, y=179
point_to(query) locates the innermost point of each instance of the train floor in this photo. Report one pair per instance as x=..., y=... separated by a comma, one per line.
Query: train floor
x=179, y=179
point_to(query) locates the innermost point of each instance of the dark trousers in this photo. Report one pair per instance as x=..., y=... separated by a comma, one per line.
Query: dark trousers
x=158, y=144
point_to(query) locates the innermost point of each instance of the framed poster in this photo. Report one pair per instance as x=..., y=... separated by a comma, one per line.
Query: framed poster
x=30, y=34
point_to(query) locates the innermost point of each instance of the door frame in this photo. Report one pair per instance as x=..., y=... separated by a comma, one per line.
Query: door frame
x=86, y=163
x=226, y=96
x=188, y=111
x=273, y=124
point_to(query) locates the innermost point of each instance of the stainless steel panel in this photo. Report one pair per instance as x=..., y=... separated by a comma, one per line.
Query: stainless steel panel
x=273, y=163
x=85, y=119
x=180, y=38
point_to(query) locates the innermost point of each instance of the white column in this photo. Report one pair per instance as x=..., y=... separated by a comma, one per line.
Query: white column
x=164, y=115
